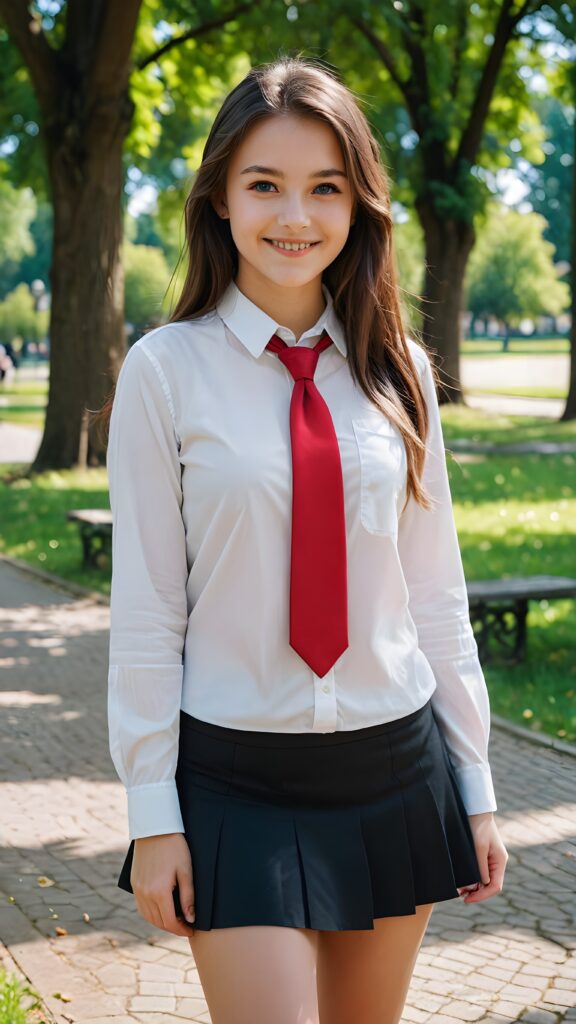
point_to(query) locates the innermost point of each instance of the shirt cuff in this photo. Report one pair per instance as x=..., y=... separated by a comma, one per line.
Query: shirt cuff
x=154, y=810
x=476, y=788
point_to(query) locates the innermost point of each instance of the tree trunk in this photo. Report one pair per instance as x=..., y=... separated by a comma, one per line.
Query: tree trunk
x=447, y=246
x=82, y=90
x=570, y=408
x=87, y=322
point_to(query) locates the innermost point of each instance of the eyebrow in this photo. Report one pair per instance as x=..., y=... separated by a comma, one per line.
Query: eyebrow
x=330, y=172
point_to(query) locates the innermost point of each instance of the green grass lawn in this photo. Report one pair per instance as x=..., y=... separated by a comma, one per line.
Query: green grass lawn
x=35, y=528
x=476, y=425
x=24, y=402
x=517, y=346
x=526, y=392
x=516, y=515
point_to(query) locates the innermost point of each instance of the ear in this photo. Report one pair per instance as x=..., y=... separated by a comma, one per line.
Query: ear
x=219, y=203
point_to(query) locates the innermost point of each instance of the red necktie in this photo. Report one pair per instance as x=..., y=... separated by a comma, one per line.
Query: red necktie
x=318, y=577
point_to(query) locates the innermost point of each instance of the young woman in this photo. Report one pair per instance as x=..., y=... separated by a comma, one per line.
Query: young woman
x=296, y=705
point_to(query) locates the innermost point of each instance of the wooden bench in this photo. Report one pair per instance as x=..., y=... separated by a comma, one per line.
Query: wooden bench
x=499, y=609
x=96, y=536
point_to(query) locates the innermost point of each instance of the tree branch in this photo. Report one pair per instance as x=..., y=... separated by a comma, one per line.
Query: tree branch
x=41, y=60
x=528, y=7
x=459, y=49
x=474, y=129
x=194, y=33
x=111, y=64
x=406, y=88
x=416, y=53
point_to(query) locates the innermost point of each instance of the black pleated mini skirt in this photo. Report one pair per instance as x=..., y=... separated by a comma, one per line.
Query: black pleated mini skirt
x=320, y=830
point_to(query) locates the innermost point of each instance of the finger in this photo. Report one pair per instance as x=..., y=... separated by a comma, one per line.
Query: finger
x=184, y=898
x=167, y=912
x=484, y=892
x=467, y=888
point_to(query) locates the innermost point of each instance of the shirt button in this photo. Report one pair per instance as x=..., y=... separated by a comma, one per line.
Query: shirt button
x=326, y=688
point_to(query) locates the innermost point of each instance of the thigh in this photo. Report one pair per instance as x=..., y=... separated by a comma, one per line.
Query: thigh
x=365, y=975
x=258, y=973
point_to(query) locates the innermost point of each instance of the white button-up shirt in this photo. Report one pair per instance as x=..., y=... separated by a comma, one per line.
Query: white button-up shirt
x=199, y=464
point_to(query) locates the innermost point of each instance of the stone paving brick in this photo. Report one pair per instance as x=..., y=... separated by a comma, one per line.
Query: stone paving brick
x=161, y=972
x=153, y=1003
x=538, y=1017
x=560, y=996
x=190, y=1007
x=412, y=1015
x=510, y=959
x=463, y=1011
x=520, y=994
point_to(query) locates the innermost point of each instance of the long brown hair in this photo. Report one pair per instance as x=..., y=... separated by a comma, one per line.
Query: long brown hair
x=362, y=279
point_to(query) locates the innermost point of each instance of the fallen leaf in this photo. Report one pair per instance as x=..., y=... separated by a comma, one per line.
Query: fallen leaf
x=44, y=882
x=60, y=930
x=63, y=996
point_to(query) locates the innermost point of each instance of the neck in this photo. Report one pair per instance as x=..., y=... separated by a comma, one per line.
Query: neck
x=296, y=308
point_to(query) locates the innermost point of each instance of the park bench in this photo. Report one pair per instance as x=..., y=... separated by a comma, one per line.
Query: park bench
x=499, y=609
x=96, y=535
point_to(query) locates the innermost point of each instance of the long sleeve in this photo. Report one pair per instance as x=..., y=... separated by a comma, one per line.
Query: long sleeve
x=148, y=607
x=438, y=603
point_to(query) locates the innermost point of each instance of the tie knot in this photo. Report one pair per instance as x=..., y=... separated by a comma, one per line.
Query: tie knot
x=300, y=361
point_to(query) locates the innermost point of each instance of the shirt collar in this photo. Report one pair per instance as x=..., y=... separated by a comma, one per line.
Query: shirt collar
x=254, y=328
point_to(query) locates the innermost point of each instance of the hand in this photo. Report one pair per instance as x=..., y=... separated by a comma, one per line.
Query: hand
x=491, y=855
x=159, y=863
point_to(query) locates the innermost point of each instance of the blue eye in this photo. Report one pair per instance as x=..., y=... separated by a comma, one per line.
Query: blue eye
x=325, y=184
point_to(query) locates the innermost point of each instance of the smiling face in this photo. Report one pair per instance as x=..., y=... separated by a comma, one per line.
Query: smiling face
x=286, y=184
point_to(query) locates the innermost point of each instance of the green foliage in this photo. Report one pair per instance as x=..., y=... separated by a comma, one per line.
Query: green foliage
x=170, y=220
x=409, y=246
x=18, y=317
x=177, y=97
x=550, y=180
x=27, y=230
x=17, y=210
x=511, y=273
x=422, y=88
x=17, y=1000
x=146, y=280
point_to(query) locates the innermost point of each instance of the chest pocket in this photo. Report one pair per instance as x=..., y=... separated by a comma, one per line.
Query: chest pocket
x=382, y=473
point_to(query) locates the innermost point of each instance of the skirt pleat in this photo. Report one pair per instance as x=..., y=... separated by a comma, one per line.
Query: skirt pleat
x=324, y=831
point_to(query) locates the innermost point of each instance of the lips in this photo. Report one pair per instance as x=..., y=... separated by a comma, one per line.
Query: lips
x=302, y=246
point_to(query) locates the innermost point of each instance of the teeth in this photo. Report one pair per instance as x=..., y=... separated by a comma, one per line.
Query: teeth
x=291, y=245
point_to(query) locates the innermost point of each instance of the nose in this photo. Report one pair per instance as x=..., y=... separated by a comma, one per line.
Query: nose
x=293, y=213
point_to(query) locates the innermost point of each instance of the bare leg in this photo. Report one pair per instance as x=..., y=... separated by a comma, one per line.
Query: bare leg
x=365, y=975
x=258, y=974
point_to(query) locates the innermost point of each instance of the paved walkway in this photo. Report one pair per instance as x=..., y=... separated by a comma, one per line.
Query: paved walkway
x=516, y=369
x=17, y=443
x=82, y=944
